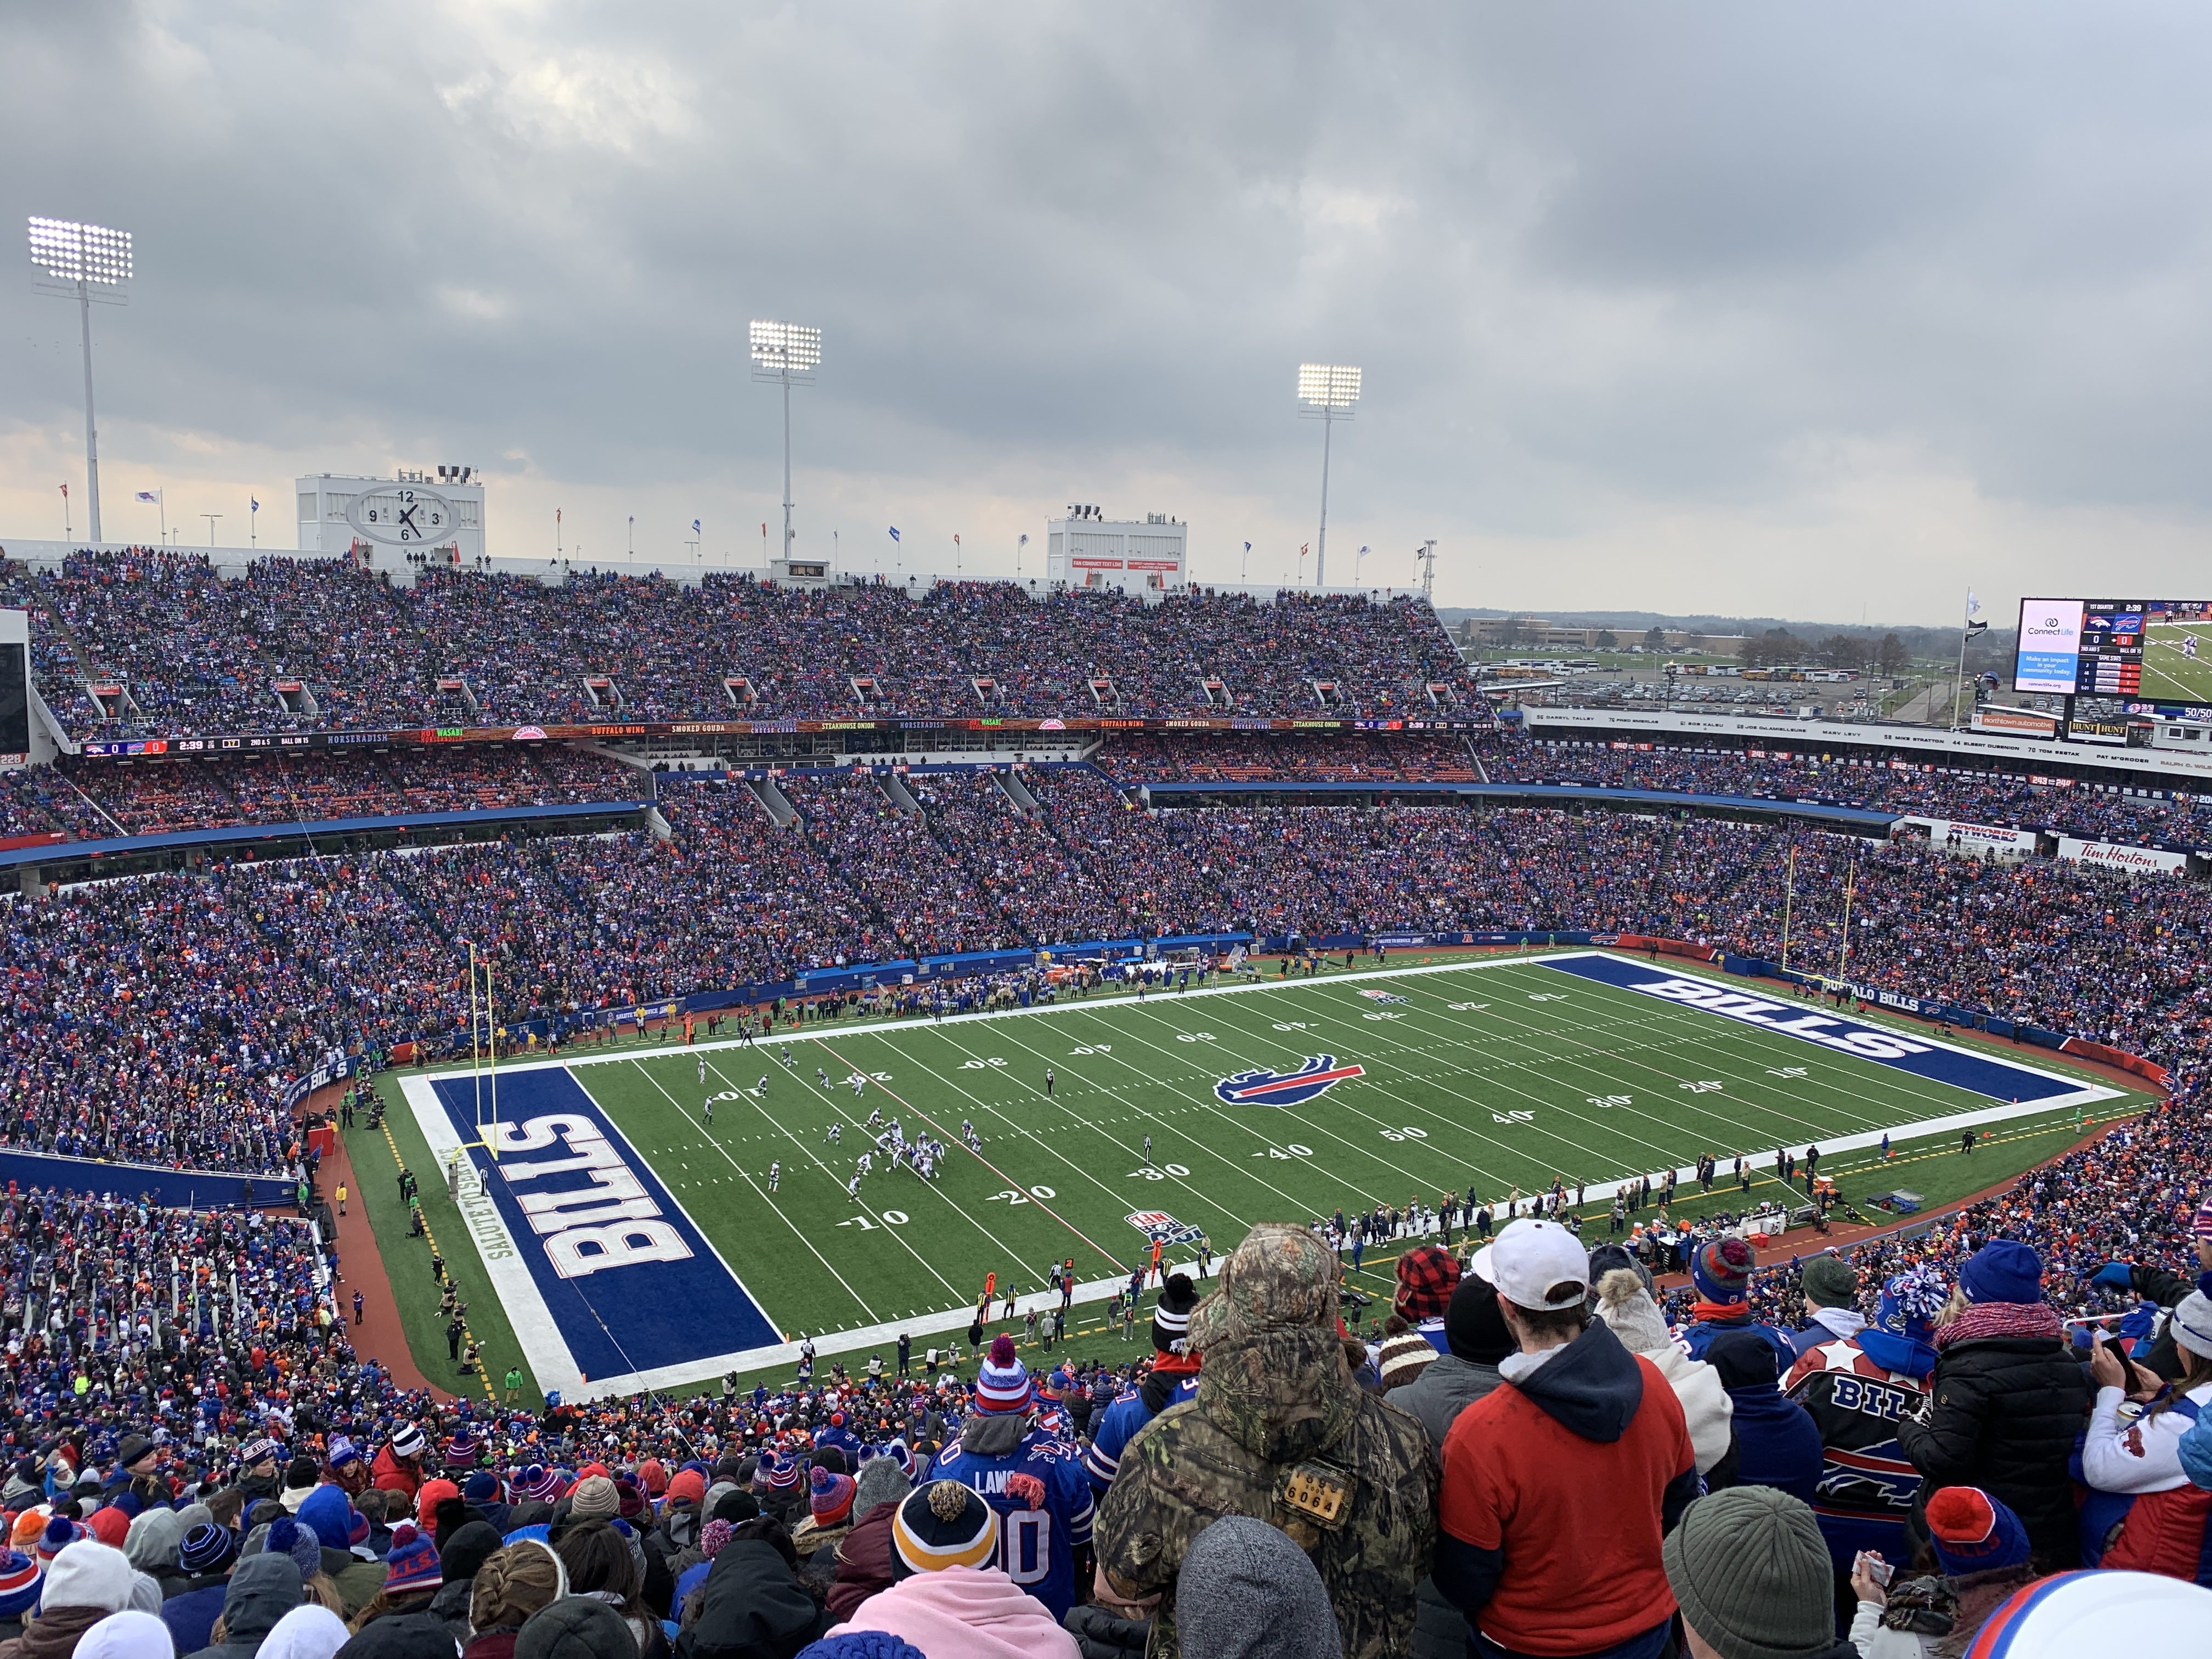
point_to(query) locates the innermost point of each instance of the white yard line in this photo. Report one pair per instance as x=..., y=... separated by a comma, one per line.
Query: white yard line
x=797, y=1231
x=1146, y=1162
x=873, y=1214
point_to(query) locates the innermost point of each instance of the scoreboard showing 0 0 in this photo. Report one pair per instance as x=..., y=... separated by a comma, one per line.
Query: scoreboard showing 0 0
x=2088, y=648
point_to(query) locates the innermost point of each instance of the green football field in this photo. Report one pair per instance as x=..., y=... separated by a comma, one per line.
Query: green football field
x=2170, y=671
x=1490, y=1078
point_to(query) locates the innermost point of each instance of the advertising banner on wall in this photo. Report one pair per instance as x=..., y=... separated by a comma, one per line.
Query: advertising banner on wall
x=1958, y=836
x=2140, y=860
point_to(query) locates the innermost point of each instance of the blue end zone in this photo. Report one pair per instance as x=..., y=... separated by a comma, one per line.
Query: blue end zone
x=1982, y=1074
x=667, y=1299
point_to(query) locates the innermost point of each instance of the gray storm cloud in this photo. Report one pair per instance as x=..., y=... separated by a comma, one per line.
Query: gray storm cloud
x=1730, y=307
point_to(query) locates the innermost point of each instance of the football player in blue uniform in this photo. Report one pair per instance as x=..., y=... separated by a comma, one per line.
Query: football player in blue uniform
x=1031, y=1479
x=1172, y=1380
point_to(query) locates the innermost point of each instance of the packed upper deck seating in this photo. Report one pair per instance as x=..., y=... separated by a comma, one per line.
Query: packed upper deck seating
x=199, y=652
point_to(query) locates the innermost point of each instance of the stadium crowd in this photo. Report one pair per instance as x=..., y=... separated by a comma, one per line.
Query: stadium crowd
x=1982, y=1436
x=156, y=1017
x=199, y=652
x=1541, y=1451
x=86, y=799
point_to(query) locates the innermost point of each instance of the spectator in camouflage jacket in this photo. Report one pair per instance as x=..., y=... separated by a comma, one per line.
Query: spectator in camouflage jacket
x=1280, y=1431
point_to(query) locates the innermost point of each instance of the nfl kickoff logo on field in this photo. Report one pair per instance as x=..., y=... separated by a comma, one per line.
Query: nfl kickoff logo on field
x=1159, y=1225
x=1382, y=996
x=1317, y=1076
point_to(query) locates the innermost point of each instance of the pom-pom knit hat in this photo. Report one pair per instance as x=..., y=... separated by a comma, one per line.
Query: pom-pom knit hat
x=943, y=1524
x=61, y=1532
x=413, y=1563
x=1171, y=1313
x=1721, y=1269
x=21, y=1580
x=1973, y=1532
x=830, y=1498
x=1003, y=1383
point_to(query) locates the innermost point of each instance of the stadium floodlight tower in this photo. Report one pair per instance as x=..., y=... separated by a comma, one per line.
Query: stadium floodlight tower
x=1329, y=392
x=786, y=353
x=85, y=263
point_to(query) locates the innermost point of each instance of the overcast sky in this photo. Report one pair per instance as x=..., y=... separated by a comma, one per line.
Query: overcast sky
x=1742, y=308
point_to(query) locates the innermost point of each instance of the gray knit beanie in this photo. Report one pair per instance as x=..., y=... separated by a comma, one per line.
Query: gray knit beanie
x=1246, y=1591
x=1752, y=1572
x=882, y=1481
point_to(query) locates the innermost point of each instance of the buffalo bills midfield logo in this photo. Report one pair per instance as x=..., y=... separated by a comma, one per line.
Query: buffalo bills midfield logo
x=1317, y=1076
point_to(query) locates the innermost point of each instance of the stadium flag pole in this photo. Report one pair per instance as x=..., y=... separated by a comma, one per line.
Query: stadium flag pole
x=1788, y=890
x=1959, y=685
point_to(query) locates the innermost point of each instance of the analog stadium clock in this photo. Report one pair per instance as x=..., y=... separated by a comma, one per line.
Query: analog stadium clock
x=402, y=515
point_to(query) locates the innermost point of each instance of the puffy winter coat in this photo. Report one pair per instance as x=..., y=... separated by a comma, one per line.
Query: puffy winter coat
x=2002, y=1414
x=864, y=1562
x=2141, y=1510
x=262, y=1591
x=751, y=1604
x=392, y=1473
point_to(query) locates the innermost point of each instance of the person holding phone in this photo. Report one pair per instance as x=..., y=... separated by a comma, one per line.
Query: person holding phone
x=2141, y=1510
x=1982, y=1556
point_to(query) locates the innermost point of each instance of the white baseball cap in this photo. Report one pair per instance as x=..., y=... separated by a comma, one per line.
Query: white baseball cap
x=1528, y=1258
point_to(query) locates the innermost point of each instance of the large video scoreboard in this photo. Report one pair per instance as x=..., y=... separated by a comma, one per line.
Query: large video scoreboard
x=2154, y=654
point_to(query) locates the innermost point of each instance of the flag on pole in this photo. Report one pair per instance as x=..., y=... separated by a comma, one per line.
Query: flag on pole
x=1024, y=542
x=956, y=538
x=64, y=491
x=255, y=505
x=695, y=526
x=1247, y=547
x=894, y=535
x=1973, y=604
x=151, y=497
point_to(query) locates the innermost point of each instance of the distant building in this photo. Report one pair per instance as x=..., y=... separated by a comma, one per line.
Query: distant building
x=440, y=515
x=1084, y=550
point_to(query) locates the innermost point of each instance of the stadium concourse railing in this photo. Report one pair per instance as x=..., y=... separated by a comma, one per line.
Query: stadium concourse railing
x=1858, y=819
x=183, y=1190
x=119, y=855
